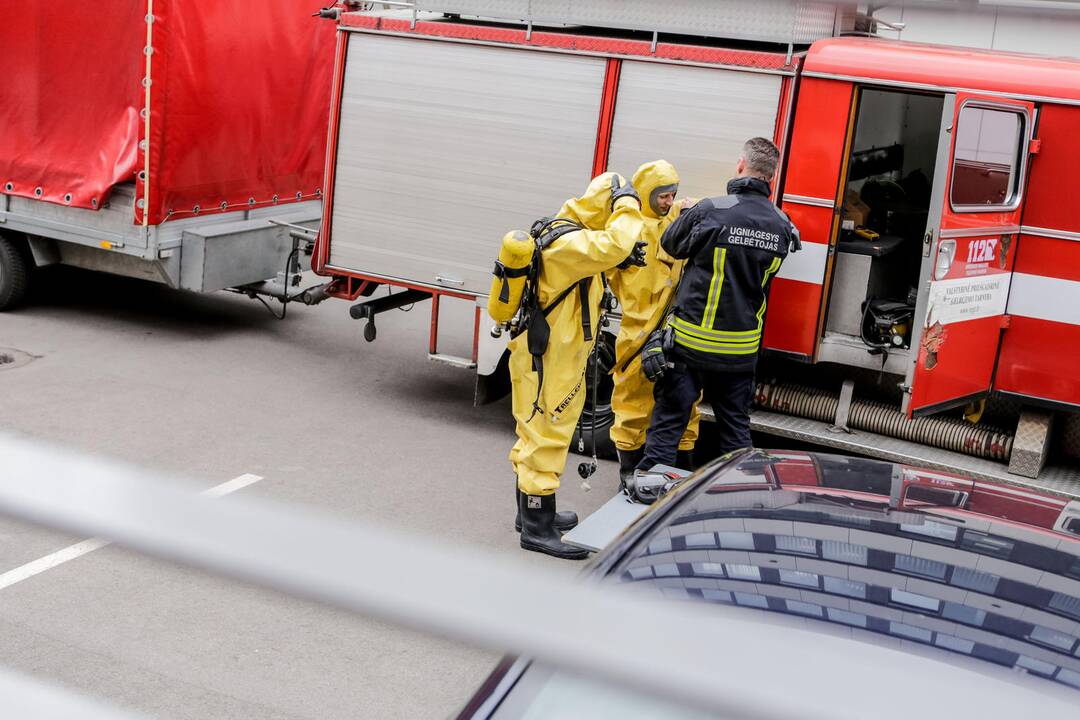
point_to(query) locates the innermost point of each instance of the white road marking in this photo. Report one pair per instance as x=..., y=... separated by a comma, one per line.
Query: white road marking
x=50, y=561
x=237, y=483
x=36, y=567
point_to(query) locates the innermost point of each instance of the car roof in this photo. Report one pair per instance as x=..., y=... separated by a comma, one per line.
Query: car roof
x=974, y=573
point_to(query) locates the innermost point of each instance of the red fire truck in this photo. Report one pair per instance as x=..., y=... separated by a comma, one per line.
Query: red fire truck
x=933, y=314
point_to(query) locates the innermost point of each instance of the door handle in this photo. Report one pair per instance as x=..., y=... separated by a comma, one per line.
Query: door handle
x=927, y=243
x=448, y=281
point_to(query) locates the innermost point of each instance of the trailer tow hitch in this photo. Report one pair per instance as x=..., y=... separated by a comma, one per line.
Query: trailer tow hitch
x=368, y=309
x=283, y=287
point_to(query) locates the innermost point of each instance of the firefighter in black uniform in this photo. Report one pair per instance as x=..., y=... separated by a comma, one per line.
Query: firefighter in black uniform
x=710, y=341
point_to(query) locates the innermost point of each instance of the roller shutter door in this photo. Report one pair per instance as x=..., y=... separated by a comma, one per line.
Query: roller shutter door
x=695, y=118
x=443, y=147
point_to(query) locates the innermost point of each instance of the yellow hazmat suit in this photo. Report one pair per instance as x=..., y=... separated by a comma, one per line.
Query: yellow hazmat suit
x=644, y=294
x=539, y=456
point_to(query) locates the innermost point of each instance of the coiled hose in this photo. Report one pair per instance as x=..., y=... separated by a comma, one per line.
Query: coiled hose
x=940, y=432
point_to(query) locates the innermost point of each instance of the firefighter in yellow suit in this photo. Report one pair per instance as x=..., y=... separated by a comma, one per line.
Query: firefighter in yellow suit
x=644, y=295
x=548, y=393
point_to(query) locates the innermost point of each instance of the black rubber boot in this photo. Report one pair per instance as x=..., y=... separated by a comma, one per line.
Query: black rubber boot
x=684, y=460
x=628, y=461
x=538, y=531
x=564, y=521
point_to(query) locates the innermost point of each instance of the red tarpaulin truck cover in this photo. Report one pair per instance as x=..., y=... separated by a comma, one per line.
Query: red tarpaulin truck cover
x=232, y=96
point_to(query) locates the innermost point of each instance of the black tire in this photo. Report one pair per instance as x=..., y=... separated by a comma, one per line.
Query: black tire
x=14, y=274
x=596, y=425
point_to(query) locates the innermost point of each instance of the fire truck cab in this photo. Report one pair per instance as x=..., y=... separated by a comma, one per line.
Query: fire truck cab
x=930, y=186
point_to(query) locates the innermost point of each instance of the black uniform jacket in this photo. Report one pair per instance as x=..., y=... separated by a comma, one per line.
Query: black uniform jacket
x=735, y=244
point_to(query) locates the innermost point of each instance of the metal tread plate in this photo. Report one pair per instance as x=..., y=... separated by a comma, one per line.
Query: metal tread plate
x=597, y=530
x=453, y=360
x=1059, y=480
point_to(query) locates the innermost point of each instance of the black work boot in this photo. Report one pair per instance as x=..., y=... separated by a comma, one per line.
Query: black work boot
x=538, y=531
x=564, y=521
x=684, y=460
x=628, y=461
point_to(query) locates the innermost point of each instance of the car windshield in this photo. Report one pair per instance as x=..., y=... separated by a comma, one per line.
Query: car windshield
x=977, y=575
x=881, y=552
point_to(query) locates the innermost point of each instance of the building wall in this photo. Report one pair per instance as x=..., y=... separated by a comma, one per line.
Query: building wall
x=1044, y=33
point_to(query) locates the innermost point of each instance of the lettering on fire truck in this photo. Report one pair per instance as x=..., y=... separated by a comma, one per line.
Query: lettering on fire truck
x=982, y=250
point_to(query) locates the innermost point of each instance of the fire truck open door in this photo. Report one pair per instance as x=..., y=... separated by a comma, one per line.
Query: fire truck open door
x=968, y=256
x=816, y=162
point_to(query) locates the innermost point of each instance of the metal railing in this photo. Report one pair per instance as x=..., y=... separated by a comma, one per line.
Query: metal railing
x=727, y=660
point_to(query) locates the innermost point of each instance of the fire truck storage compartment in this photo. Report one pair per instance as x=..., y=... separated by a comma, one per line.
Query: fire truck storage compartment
x=443, y=147
x=686, y=116
x=884, y=213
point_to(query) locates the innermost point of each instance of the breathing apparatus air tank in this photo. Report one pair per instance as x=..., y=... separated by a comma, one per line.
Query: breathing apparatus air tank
x=510, y=275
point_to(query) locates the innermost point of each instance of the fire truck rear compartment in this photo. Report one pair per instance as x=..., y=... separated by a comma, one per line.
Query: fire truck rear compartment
x=885, y=205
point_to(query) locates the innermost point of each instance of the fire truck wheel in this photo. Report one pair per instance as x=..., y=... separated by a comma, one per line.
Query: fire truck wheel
x=14, y=274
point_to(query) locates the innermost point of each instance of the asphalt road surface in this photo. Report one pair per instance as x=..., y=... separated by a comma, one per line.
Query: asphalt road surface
x=214, y=387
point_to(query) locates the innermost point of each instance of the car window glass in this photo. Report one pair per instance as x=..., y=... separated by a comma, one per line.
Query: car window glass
x=985, y=157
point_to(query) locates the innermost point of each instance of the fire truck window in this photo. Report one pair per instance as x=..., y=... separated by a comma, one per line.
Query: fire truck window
x=986, y=157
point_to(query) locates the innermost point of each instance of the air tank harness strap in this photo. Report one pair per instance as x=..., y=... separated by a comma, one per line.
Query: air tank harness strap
x=505, y=273
x=544, y=232
x=549, y=229
x=540, y=333
x=586, y=314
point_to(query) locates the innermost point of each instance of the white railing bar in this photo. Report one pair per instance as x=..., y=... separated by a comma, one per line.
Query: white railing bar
x=26, y=698
x=719, y=658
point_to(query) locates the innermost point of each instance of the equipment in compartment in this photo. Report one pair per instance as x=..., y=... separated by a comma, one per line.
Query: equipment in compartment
x=884, y=215
x=886, y=324
x=864, y=272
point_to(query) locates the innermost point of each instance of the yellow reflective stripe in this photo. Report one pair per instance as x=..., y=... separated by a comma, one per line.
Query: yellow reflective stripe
x=773, y=267
x=716, y=286
x=717, y=348
x=708, y=334
x=722, y=342
x=707, y=341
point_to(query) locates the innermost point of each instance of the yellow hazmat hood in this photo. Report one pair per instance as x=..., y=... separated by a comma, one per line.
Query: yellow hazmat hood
x=650, y=180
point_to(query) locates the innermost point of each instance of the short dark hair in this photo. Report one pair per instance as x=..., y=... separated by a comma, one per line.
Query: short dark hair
x=761, y=156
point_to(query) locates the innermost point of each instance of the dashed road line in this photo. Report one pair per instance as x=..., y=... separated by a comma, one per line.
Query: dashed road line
x=48, y=562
